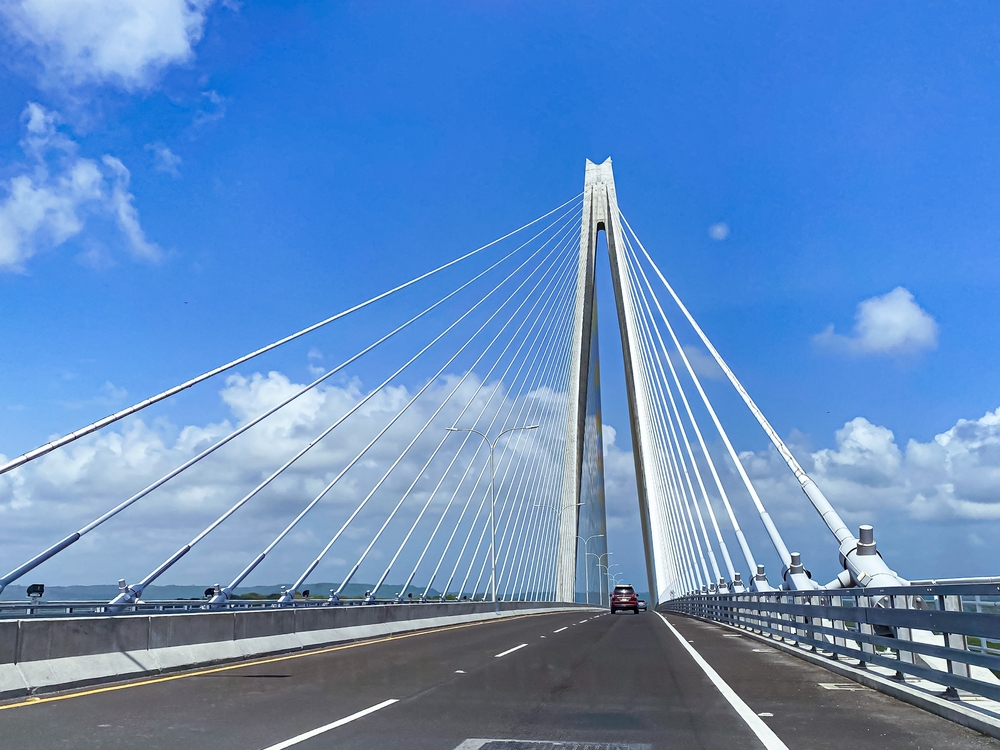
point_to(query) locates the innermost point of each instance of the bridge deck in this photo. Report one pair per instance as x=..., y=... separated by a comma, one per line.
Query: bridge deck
x=622, y=679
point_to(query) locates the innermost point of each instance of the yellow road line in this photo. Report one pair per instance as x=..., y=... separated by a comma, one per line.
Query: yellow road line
x=34, y=700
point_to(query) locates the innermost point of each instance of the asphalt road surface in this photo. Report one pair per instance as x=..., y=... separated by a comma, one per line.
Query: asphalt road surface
x=570, y=680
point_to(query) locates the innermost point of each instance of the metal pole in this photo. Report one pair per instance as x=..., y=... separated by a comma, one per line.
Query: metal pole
x=586, y=566
x=493, y=530
x=493, y=501
x=599, y=566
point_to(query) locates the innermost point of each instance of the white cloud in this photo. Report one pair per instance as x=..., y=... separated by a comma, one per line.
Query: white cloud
x=891, y=324
x=619, y=482
x=719, y=231
x=120, y=202
x=165, y=159
x=314, y=356
x=124, y=42
x=49, y=201
x=954, y=476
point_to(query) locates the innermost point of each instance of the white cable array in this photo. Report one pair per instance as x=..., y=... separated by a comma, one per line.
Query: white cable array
x=510, y=446
x=651, y=324
x=75, y=536
x=772, y=531
x=133, y=592
x=661, y=492
x=333, y=540
x=554, y=477
x=544, y=316
x=532, y=358
x=741, y=538
x=420, y=473
x=819, y=501
x=677, y=456
x=93, y=427
x=549, y=543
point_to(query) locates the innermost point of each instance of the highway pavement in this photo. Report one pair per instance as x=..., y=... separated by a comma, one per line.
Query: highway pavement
x=579, y=680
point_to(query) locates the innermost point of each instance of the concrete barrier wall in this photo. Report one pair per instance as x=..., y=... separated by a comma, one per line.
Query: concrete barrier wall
x=50, y=654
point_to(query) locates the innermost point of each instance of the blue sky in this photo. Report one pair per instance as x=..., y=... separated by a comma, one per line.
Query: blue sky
x=257, y=166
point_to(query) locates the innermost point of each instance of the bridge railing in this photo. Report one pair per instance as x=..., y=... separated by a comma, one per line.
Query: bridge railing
x=10, y=610
x=934, y=637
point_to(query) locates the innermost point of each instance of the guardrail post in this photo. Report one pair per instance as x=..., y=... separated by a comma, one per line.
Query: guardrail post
x=838, y=601
x=903, y=635
x=797, y=632
x=809, y=632
x=865, y=628
x=786, y=629
x=953, y=603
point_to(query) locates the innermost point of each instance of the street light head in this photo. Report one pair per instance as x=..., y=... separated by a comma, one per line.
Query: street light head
x=531, y=427
x=452, y=429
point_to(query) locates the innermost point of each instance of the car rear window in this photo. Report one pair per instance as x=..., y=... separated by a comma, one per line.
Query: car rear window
x=624, y=590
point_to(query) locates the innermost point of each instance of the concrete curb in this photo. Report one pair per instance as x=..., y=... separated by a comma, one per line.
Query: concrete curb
x=54, y=674
x=946, y=709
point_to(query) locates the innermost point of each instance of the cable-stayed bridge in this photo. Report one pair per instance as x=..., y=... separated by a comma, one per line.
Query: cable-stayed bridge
x=484, y=485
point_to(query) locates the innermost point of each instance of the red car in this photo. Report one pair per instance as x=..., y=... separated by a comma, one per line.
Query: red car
x=624, y=597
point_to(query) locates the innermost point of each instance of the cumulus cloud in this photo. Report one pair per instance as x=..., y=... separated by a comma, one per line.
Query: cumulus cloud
x=165, y=160
x=924, y=497
x=48, y=203
x=719, y=231
x=954, y=476
x=619, y=483
x=127, y=43
x=891, y=324
x=64, y=490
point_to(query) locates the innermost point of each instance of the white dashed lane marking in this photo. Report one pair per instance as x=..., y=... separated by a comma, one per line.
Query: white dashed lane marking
x=326, y=728
x=509, y=651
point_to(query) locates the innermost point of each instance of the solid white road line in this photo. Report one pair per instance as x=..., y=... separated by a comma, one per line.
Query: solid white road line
x=758, y=727
x=561, y=629
x=510, y=651
x=328, y=727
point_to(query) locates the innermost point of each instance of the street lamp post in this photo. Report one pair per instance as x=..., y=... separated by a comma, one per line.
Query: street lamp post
x=586, y=568
x=493, y=502
x=557, y=509
x=613, y=565
x=607, y=570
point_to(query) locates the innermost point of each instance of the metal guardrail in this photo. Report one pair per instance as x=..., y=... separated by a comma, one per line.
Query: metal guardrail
x=948, y=635
x=12, y=610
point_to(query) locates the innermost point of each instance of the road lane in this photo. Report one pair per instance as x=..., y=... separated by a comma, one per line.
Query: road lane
x=614, y=679
x=792, y=696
